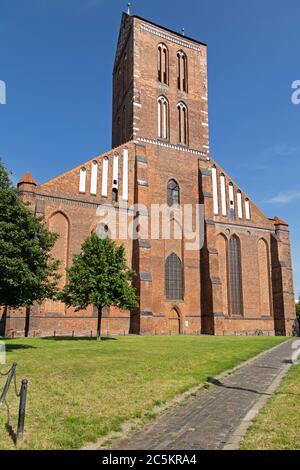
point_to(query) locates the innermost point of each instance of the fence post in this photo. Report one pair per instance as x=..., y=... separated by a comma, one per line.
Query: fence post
x=22, y=409
x=8, y=382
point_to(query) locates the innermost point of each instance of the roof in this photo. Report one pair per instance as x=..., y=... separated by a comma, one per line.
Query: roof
x=279, y=221
x=169, y=30
x=27, y=179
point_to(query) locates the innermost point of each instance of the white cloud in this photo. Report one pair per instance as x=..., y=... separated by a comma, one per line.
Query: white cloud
x=284, y=197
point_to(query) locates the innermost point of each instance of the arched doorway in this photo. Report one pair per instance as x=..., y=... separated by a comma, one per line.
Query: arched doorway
x=174, y=322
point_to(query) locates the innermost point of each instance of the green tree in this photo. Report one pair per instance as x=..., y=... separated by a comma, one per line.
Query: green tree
x=5, y=182
x=27, y=268
x=99, y=276
x=298, y=309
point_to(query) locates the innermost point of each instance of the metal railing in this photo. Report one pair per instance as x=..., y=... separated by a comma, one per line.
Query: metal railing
x=11, y=378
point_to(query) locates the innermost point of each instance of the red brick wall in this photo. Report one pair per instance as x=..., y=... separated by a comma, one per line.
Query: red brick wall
x=266, y=271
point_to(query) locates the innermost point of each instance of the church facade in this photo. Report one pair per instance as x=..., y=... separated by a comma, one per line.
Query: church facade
x=238, y=279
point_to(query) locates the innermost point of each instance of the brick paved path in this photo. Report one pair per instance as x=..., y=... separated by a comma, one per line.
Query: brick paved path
x=207, y=420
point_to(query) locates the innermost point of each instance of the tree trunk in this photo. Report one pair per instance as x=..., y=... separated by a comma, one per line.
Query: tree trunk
x=3, y=321
x=99, y=323
x=27, y=321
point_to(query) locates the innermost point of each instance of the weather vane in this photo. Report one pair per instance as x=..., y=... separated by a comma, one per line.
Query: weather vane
x=128, y=10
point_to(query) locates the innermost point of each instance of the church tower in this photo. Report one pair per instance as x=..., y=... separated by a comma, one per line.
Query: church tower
x=159, y=87
x=236, y=280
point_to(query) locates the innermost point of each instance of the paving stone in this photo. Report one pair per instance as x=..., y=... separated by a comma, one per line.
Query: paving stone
x=208, y=419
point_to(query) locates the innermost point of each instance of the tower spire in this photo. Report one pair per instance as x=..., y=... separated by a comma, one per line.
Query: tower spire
x=128, y=8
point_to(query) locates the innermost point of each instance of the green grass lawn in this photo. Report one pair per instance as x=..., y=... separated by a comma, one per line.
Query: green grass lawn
x=277, y=426
x=80, y=390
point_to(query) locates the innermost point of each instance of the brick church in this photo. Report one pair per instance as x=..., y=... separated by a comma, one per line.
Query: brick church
x=239, y=281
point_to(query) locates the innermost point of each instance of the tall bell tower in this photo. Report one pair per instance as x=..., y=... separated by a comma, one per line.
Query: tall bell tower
x=159, y=87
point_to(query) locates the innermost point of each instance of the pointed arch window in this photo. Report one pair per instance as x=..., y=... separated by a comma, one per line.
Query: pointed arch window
x=174, y=278
x=173, y=193
x=182, y=123
x=182, y=81
x=235, y=276
x=163, y=118
x=163, y=64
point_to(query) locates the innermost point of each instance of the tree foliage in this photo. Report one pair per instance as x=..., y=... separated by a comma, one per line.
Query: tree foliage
x=298, y=309
x=27, y=269
x=100, y=276
x=5, y=182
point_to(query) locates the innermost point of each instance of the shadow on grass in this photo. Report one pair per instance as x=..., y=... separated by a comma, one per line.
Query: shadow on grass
x=11, y=433
x=8, y=427
x=13, y=347
x=70, y=338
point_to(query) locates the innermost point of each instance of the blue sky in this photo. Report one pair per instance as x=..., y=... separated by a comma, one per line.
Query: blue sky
x=56, y=58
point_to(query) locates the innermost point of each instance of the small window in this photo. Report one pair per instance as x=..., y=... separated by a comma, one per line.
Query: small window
x=115, y=195
x=102, y=231
x=173, y=193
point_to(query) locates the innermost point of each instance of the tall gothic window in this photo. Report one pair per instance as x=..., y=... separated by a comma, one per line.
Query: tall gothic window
x=163, y=64
x=174, y=278
x=182, y=82
x=124, y=125
x=119, y=85
x=163, y=117
x=182, y=124
x=173, y=193
x=125, y=65
x=236, y=297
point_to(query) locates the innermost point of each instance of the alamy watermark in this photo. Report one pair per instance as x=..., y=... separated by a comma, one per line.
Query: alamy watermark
x=157, y=222
x=296, y=94
x=2, y=353
x=296, y=352
x=2, y=92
